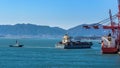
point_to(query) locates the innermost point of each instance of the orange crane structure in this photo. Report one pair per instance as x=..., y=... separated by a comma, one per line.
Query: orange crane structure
x=110, y=43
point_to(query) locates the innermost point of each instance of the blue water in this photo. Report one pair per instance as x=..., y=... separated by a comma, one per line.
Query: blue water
x=41, y=53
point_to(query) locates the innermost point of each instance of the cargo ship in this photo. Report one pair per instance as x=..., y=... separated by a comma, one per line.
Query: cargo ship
x=67, y=43
x=109, y=44
x=16, y=45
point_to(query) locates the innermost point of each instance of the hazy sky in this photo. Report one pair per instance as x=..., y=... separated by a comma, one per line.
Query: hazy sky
x=62, y=13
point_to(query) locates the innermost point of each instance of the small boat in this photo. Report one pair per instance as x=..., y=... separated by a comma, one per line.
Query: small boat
x=68, y=44
x=16, y=45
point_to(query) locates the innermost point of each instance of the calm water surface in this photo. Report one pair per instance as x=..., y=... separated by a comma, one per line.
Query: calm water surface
x=39, y=53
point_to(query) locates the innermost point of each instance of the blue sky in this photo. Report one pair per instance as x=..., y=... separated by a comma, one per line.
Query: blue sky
x=61, y=13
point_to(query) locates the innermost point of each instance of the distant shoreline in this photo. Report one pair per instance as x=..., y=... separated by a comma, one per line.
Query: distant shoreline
x=50, y=37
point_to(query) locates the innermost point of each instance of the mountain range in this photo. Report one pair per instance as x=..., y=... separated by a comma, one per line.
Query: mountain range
x=31, y=30
x=81, y=31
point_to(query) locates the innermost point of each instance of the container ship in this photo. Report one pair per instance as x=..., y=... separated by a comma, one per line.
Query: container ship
x=67, y=43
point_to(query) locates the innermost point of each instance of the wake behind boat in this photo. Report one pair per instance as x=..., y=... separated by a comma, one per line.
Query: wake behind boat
x=16, y=45
x=68, y=44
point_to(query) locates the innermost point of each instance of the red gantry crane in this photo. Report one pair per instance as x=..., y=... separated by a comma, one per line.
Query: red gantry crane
x=110, y=43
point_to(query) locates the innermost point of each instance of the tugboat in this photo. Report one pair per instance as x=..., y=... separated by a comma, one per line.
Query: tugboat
x=66, y=43
x=16, y=45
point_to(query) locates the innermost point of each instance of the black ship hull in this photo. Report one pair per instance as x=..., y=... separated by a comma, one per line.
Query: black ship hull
x=16, y=46
x=77, y=47
x=81, y=45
